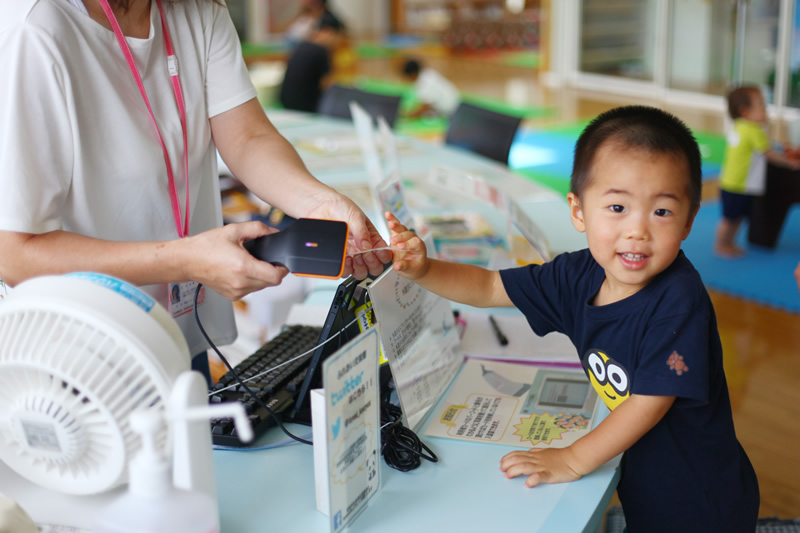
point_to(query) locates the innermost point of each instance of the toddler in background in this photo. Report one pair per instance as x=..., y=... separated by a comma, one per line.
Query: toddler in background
x=744, y=168
x=436, y=94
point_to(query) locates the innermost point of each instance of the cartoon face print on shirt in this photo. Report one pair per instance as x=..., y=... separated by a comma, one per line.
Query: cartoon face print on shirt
x=608, y=377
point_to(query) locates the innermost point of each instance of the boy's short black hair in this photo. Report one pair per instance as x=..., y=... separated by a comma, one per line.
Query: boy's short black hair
x=411, y=67
x=637, y=127
x=741, y=98
x=329, y=21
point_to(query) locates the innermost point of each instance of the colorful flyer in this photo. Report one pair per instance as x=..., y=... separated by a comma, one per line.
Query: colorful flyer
x=352, y=412
x=516, y=405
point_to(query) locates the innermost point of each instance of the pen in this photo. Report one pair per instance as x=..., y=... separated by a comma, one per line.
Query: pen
x=501, y=338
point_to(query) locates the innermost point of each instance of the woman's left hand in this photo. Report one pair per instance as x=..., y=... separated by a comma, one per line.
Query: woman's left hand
x=362, y=236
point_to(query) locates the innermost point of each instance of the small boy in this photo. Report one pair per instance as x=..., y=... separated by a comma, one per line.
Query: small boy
x=436, y=94
x=744, y=168
x=639, y=315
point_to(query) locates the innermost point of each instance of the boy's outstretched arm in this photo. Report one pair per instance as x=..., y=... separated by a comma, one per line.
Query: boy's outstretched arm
x=778, y=158
x=619, y=431
x=467, y=284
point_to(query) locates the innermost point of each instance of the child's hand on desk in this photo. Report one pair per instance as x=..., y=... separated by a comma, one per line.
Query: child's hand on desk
x=797, y=275
x=541, y=465
x=412, y=263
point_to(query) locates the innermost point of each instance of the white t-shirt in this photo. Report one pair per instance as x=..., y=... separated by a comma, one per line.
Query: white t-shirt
x=77, y=149
x=435, y=90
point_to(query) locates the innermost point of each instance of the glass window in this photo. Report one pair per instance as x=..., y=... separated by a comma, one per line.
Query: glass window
x=618, y=38
x=794, y=63
x=760, y=46
x=702, y=45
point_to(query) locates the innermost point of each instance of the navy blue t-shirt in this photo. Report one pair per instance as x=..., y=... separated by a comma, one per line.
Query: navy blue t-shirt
x=689, y=472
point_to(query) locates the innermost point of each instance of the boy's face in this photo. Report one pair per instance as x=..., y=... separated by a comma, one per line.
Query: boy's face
x=757, y=110
x=635, y=212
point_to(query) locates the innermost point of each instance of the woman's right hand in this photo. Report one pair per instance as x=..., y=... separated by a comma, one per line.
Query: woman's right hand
x=412, y=262
x=217, y=259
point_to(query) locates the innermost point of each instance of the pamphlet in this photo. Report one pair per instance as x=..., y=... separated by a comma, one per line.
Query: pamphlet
x=516, y=405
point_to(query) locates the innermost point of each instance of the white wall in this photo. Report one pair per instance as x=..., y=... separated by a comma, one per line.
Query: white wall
x=364, y=18
x=691, y=47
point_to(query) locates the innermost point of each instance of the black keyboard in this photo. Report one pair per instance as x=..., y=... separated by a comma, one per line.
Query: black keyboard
x=277, y=389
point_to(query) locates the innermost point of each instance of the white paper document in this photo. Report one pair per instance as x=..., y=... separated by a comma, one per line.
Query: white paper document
x=480, y=340
x=516, y=405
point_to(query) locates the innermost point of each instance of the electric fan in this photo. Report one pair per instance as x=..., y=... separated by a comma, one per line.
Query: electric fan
x=78, y=354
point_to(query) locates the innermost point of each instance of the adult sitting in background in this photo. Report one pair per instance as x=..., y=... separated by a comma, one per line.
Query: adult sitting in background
x=308, y=71
x=436, y=94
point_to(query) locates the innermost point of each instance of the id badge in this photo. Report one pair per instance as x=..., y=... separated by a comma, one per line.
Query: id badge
x=181, y=298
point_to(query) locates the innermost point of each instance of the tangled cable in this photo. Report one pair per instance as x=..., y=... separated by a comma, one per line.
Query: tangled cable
x=401, y=448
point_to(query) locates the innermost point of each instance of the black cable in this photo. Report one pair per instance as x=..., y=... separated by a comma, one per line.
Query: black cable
x=401, y=448
x=235, y=375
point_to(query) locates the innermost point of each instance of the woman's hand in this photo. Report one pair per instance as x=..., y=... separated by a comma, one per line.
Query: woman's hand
x=412, y=263
x=362, y=236
x=217, y=259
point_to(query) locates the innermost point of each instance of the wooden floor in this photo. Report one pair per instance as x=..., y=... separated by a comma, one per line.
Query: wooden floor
x=762, y=346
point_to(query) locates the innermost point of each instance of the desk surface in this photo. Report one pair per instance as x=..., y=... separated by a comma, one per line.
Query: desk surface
x=274, y=489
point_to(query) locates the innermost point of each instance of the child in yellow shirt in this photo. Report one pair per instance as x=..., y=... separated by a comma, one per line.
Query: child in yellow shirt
x=744, y=167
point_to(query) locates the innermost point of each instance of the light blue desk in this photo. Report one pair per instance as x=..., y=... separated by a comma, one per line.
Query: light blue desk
x=273, y=490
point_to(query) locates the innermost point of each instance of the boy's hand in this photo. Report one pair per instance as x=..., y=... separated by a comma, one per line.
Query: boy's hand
x=541, y=465
x=797, y=275
x=412, y=263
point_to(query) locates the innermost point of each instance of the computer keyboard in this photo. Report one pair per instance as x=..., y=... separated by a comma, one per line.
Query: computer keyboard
x=276, y=389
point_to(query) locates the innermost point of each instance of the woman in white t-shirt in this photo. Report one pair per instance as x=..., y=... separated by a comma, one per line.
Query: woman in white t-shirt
x=83, y=173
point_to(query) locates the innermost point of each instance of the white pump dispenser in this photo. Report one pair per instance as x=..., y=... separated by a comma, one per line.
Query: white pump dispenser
x=153, y=504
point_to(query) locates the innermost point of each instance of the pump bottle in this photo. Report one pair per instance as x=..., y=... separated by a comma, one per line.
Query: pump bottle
x=152, y=504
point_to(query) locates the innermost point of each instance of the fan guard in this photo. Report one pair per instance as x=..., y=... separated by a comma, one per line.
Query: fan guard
x=78, y=354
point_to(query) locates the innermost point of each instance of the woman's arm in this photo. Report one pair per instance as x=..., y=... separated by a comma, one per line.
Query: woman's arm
x=619, y=431
x=215, y=258
x=264, y=161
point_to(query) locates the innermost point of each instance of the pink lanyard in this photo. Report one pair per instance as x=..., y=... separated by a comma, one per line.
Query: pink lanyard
x=172, y=65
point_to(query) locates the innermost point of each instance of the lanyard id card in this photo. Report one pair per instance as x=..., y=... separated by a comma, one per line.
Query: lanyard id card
x=181, y=298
